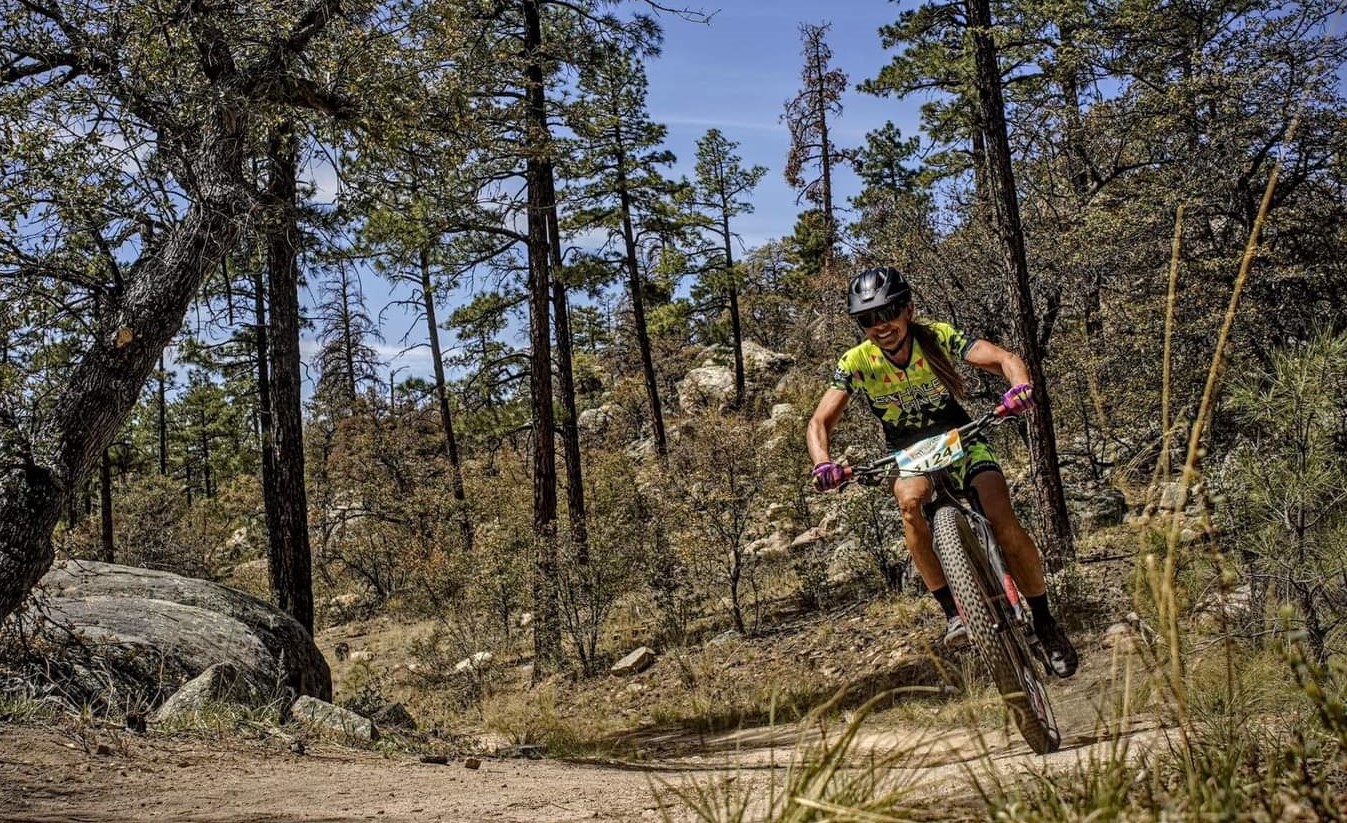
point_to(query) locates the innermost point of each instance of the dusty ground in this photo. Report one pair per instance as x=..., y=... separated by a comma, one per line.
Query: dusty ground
x=82, y=771
x=85, y=773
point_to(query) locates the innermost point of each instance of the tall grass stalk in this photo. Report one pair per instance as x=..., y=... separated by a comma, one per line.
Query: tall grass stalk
x=1166, y=363
x=829, y=779
x=1163, y=587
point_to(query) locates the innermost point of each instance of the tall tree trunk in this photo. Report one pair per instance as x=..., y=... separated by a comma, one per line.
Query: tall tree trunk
x=348, y=342
x=107, y=542
x=287, y=508
x=732, y=292
x=162, y=398
x=442, y=398
x=638, y=316
x=1055, y=523
x=266, y=433
x=547, y=617
x=570, y=428
x=826, y=194
x=206, y=477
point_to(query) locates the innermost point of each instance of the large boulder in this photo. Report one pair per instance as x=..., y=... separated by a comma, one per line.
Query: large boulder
x=707, y=387
x=116, y=634
x=1096, y=506
x=762, y=359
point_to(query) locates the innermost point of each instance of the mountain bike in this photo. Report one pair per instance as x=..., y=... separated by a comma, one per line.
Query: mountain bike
x=995, y=615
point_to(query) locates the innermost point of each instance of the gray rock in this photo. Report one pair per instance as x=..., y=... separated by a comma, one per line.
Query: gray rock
x=217, y=684
x=809, y=537
x=598, y=420
x=761, y=359
x=638, y=661
x=335, y=718
x=1099, y=507
x=393, y=716
x=475, y=662
x=124, y=634
x=707, y=387
x=773, y=545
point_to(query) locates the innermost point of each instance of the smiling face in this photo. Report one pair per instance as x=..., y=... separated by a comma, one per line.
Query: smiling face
x=890, y=335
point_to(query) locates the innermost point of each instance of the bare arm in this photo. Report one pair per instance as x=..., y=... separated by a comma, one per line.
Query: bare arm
x=820, y=426
x=991, y=357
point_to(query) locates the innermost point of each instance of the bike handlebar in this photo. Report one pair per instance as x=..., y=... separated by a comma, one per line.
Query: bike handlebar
x=874, y=472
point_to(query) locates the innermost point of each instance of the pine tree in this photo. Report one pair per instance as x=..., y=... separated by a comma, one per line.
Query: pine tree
x=721, y=193
x=810, y=117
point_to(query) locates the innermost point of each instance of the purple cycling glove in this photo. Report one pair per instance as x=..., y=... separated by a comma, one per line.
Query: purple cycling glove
x=1018, y=399
x=827, y=475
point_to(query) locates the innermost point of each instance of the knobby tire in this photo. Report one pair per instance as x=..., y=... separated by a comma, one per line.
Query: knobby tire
x=1004, y=650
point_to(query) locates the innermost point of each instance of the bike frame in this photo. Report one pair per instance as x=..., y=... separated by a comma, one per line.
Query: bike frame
x=944, y=492
x=1008, y=641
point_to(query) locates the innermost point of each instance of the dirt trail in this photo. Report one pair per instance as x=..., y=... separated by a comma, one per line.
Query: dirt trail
x=47, y=775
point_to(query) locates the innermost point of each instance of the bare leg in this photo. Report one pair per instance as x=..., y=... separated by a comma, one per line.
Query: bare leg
x=911, y=493
x=1021, y=554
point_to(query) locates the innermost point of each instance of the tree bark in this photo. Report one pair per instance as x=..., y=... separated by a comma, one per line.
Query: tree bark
x=1059, y=547
x=442, y=398
x=162, y=397
x=107, y=541
x=732, y=293
x=570, y=428
x=638, y=315
x=547, y=617
x=287, y=509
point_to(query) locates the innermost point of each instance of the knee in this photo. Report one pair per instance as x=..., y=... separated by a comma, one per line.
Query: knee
x=910, y=505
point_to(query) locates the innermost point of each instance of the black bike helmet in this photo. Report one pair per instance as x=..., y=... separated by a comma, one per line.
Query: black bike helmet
x=882, y=287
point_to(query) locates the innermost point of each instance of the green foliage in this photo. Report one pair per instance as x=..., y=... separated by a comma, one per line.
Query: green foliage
x=155, y=527
x=1283, y=480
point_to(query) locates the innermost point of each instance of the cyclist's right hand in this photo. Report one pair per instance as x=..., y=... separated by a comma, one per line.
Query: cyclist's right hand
x=828, y=475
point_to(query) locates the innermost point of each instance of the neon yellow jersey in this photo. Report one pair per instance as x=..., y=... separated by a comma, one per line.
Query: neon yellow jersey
x=911, y=403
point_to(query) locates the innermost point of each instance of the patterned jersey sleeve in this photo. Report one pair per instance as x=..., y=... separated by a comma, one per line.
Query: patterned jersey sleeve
x=955, y=343
x=843, y=375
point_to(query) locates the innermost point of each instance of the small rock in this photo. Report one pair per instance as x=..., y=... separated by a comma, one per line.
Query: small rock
x=475, y=662
x=333, y=717
x=435, y=759
x=103, y=750
x=472, y=763
x=1121, y=635
x=637, y=661
x=297, y=747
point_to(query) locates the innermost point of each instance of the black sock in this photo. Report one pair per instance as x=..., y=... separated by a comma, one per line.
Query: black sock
x=1039, y=606
x=945, y=598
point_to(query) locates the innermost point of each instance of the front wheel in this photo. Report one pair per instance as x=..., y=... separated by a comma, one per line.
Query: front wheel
x=998, y=639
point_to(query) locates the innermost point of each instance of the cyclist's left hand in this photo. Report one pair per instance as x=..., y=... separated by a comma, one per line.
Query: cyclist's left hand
x=1018, y=399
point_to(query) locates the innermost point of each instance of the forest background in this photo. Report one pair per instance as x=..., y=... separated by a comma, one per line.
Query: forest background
x=611, y=421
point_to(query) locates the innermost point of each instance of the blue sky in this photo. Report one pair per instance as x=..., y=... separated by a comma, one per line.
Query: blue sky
x=736, y=74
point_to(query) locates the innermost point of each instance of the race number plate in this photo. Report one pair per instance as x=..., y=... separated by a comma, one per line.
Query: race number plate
x=931, y=454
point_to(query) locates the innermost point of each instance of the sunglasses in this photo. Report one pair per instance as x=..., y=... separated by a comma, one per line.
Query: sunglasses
x=876, y=317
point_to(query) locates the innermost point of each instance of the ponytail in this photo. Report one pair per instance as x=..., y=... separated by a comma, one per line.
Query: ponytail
x=939, y=360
